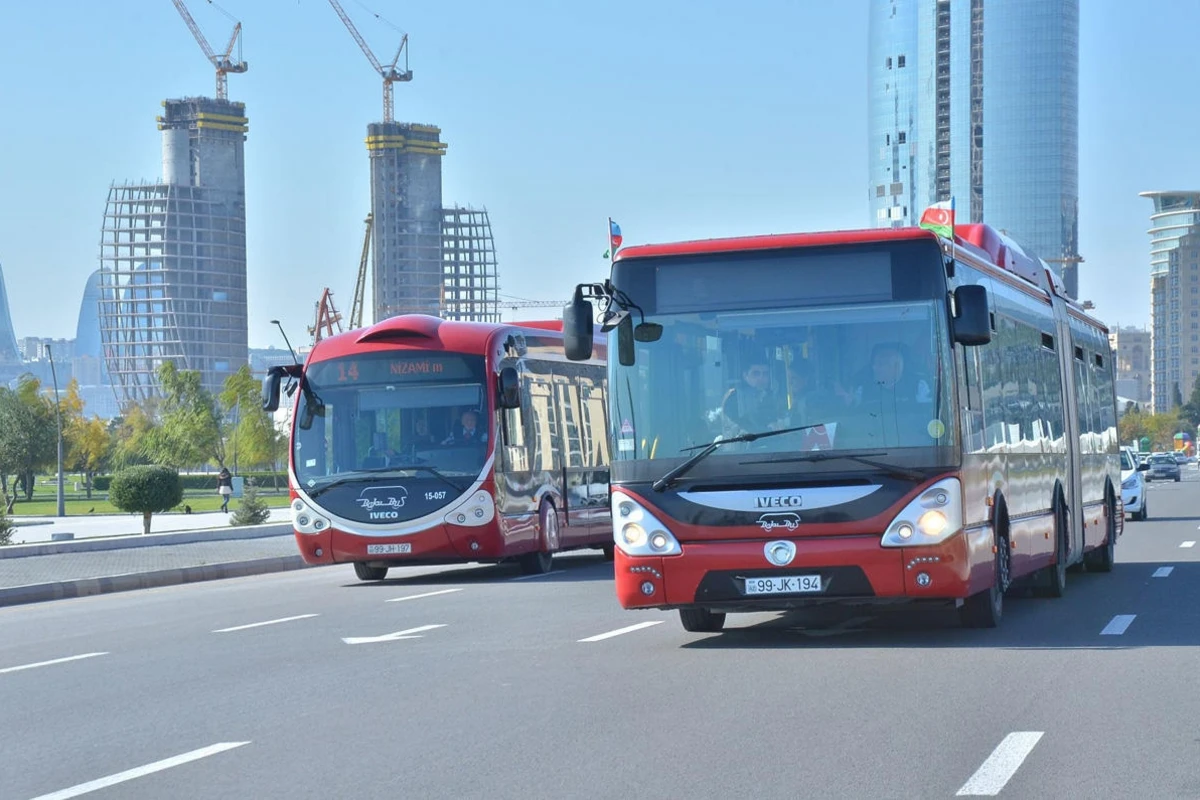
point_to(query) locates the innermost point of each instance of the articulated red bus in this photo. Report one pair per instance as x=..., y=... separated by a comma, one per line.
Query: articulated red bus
x=853, y=417
x=423, y=441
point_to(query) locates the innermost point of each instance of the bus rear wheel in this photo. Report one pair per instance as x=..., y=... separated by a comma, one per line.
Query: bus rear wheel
x=366, y=572
x=701, y=620
x=1102, y=558
x=1054, y=577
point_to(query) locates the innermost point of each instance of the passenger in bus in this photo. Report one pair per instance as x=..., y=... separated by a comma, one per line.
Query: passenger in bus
x=467, y=431
x=751, y=406
x=421, y=436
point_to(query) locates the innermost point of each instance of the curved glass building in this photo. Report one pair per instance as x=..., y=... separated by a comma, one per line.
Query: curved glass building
x=8, y=338
x=1174, y=296
x=978, y=100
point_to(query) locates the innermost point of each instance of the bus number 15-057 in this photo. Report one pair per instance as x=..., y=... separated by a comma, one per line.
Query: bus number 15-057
x=435, y=495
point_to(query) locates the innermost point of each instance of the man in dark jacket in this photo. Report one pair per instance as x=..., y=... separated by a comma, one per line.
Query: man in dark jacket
x=751, y=406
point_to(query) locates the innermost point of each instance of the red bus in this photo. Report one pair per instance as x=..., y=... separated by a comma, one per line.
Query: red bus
x=873, y=416
x=424, y=441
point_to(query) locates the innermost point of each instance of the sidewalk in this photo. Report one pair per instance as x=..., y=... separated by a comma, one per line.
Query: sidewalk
x=98, y=561
x=42, y=529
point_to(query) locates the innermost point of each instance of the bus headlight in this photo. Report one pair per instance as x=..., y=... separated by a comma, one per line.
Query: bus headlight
x=930, y=518
x=638, y=532
x=306, y=519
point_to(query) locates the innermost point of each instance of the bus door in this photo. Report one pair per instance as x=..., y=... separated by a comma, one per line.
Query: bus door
x=578, y=476
x=1073, y=368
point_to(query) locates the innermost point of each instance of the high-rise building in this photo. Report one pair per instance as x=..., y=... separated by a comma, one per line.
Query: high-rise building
x=173, y=255
x=9, y=352
x=406, y=200
x=469, y=284
x=1174, y=296
x=978, y=100
x=1132, y=348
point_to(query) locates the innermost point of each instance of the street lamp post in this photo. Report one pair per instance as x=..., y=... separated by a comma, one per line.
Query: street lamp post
x=62, y=510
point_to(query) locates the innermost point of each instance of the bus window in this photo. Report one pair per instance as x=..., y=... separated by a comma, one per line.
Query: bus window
x=545, y=426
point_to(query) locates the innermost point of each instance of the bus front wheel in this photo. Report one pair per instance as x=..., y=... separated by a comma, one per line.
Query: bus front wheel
x=701, y=620
x=541, y=561
x=366, y=572
x=986, y=608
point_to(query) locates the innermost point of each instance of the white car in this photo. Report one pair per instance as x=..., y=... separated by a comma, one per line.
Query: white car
x=1133, y=485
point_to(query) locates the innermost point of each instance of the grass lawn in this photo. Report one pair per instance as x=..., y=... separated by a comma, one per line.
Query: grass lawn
x=45, y=504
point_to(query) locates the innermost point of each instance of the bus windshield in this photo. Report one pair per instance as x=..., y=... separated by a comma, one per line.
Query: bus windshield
x=872, y=378
x=372, y=413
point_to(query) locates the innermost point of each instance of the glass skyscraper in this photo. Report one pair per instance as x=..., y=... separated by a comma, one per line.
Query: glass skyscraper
x=1174, y=297
x=978, y=100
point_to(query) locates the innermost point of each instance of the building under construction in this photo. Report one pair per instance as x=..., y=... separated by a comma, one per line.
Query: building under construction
x=173, y=255
x=469, y=283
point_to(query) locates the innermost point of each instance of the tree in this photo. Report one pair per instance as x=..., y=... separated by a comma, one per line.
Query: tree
x=1133, y=426
x=253, y=439
x=131, y=435
x=146, y=490
x=1191, y=409
x=252, y=510
x=6, y=528
x=28, y=436
x=88, y=446
x=1176, y=397
x=189, y=430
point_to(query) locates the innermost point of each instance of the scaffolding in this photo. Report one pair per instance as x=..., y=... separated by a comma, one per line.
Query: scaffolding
x=469, y=277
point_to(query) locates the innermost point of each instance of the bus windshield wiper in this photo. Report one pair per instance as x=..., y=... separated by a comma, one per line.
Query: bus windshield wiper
x=707, y=449
x=819, y=455
x=362, y=475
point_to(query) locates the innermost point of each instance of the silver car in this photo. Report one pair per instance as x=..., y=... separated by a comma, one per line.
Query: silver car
x=1163, y=467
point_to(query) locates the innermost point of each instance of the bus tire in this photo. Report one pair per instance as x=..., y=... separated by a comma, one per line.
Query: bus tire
x=541, y=561
x=701, y=620
x=985, y=609
x=366, y=572
x=1054, y=577
x=1102, y=558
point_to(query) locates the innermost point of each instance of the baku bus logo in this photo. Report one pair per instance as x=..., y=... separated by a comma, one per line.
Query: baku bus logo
x=388, y=498
x=769, y=522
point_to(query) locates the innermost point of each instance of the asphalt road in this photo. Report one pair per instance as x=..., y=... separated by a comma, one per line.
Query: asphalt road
x=469, y=682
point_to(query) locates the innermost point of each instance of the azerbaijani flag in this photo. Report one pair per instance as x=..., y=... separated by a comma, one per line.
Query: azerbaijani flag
x=614, y=235
x=939, y=218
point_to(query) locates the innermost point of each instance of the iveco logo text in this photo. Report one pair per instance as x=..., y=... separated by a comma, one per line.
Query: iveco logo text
x=788, y=501
x=389, y=498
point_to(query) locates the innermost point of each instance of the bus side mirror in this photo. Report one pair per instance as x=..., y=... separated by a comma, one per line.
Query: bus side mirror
x=270, y=390
x=972, y=323
x=578, y=328
x=509, y=388
x=625, y=339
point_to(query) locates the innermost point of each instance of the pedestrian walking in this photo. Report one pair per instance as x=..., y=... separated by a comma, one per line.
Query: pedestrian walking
x=224, y=488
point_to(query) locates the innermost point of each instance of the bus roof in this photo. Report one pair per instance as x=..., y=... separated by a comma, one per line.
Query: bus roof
x=777, y=241
x=422, y=331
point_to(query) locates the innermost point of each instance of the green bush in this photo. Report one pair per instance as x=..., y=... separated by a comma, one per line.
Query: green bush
x=101, y=483
x=252, y=510
x=6, y=528
x=146, y=490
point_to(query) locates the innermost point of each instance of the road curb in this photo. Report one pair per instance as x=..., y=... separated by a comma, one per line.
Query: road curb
x=152, y=540
x=84, y=587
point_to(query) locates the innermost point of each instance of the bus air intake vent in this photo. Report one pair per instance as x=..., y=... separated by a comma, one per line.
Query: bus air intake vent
x=408, y=326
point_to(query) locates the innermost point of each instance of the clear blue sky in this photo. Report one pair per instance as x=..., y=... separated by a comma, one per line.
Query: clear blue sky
x=679, y=118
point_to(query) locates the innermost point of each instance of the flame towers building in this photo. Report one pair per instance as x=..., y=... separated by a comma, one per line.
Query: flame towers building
x=9, y=353
x=978, y=100
x=173, y=255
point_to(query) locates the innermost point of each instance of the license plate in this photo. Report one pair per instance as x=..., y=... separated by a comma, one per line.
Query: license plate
x=388, y=549
x=784, y=585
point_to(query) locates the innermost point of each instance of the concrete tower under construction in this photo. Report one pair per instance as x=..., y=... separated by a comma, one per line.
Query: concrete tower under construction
x=406, y=199
x=173, y=255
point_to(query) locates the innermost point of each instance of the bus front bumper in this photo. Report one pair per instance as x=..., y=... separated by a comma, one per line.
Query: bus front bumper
x=852, y=569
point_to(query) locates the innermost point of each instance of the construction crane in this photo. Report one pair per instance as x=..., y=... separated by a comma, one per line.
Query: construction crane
x=328, y=320
x=360, y=287
x=520, y=302
x=389, y=73
x=223, y=63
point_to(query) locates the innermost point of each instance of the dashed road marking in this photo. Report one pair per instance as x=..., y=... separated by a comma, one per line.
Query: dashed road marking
x=390, y=637
x=619, y=631
x=1188, y=544
x=261, y=624
x=423, y=594
x=1162, y=572
x=138, y=772
x=51, y=662
x=1001, y=765
x=1118, y=624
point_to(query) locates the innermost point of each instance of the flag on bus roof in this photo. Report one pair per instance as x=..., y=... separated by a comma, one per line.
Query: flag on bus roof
x=614, y=235
x=939, y=218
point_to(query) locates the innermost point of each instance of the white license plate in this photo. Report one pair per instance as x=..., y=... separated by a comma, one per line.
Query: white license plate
x=783, y=585
x=388, y=549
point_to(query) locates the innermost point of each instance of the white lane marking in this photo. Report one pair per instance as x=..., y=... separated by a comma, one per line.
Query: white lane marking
x=138, y=772
x=541, y=575
x=1001, y=765
x=1188, y=544
x=619, y=631
x=49, y=663
x=1162, y=572
x=390, y=637
x=418, y=596
x=268, y=622
x=1118, y=625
